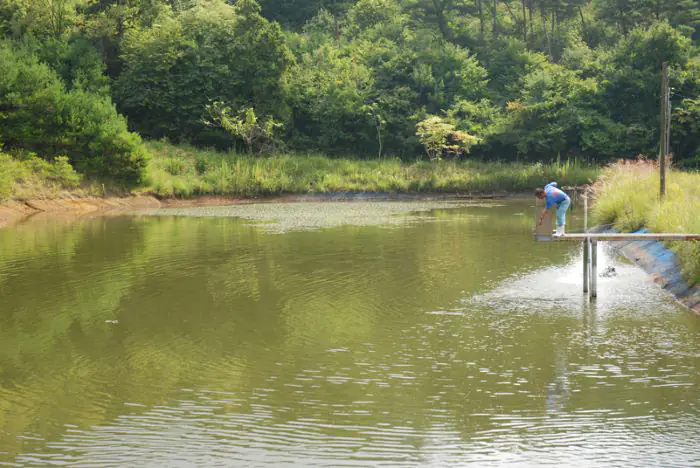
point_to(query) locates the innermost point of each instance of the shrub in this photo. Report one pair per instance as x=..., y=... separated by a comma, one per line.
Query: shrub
x=257, y=134
x=31, y=176
x=6, y=176
x=440, y=138
x=39, y=115
x=101, y=143
x=63, y=173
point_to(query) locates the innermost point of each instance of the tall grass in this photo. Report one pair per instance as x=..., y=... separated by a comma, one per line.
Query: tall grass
x=185, y=171
x=627, y=195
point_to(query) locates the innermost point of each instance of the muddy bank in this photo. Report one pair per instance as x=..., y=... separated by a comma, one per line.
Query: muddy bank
x=663, y=266
x=14, y=211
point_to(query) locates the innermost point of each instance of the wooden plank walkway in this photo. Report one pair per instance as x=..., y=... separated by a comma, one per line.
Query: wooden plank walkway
x=627, y=237
x=589, y=242
x=590, y=249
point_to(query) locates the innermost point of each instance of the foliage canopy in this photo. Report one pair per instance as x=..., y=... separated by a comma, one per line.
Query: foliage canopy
x=519, y=79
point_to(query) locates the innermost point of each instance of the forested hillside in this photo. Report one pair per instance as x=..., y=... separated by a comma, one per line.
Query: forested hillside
x=519, y=80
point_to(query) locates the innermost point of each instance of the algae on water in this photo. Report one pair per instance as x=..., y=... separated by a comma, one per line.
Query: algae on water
x=283, y=217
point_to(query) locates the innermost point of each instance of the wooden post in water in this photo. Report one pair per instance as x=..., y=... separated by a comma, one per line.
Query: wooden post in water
x=586, y=246
x=586, y=262
x=594, y=268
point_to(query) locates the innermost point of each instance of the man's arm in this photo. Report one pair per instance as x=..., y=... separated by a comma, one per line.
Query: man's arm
x=542, y=215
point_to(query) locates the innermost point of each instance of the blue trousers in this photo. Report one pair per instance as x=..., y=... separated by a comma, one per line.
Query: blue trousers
x=561, y=212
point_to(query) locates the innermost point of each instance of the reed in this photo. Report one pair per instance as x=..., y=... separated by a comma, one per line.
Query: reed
x=183, y=171
x=627, y=196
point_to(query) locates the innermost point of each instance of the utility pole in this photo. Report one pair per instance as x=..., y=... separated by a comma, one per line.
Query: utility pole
x=665, y=120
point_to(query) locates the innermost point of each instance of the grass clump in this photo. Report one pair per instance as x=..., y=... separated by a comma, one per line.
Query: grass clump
x=182, y=171
x=627, y=196
x=28, y=176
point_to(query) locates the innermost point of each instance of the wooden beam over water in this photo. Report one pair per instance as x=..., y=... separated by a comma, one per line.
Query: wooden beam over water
x=627, y=237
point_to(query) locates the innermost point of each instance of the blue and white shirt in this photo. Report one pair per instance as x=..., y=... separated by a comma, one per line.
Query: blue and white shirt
x=554, y=196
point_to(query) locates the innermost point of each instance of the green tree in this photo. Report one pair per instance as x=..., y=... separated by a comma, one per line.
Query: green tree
x=38, y=114
x=327, y=91
x=631, y=81
x=559, y=112
x=626, y=14
x=45, y=18
x=507, y=61
x=685, y=133
x=76, y=61
x=440, y=138
x=212, y=52
x=366, y=14
x=106, y=22
x=533, y=78
x=296, y=13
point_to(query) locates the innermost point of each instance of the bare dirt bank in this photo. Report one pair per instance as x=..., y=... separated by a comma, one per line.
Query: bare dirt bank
x=14, y=211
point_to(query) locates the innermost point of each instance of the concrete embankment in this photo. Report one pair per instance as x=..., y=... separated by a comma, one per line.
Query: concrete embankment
x=662, y=264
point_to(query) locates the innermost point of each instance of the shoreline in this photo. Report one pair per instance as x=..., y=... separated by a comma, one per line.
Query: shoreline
x=653, y=257
x=14, y=211
x=18, y=210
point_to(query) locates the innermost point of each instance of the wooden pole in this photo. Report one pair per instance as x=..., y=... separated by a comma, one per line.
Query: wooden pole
x=663, y=147
x=586, y=246
x=594, y=269
x=668, y=121
x=586, y=261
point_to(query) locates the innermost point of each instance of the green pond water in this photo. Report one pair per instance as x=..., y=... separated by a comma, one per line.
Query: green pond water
x=335, y=334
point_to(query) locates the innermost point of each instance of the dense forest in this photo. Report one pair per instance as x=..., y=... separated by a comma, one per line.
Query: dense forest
x=525, y=80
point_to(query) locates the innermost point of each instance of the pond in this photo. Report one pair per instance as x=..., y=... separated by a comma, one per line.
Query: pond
x=431, y=333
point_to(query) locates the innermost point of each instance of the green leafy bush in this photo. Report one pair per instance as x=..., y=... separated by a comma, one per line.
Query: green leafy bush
x=38, y=114
x=101, y=143
x=59, y=171
x=7, y=176
x=441, y=138
x=257, y=134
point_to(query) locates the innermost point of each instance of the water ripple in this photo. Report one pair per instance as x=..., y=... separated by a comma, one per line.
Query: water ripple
x=182, y=341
